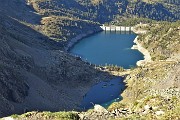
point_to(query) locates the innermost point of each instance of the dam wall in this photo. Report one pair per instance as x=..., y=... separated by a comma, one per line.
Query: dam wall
x=116, y=28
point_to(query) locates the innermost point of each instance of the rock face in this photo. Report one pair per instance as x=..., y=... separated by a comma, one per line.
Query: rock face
x=100, y=109
x=159, y=112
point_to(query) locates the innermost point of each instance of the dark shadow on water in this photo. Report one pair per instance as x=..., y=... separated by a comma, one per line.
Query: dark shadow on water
x=104, y=93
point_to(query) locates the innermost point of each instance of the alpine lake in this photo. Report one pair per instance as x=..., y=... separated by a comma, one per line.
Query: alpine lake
x=107, y=48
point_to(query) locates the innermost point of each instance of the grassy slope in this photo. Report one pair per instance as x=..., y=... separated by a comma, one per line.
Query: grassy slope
x=48, y=115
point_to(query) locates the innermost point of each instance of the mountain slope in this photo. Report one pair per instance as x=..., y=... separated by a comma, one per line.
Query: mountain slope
x=34, y=73
x=101, y=11
x=106, y=10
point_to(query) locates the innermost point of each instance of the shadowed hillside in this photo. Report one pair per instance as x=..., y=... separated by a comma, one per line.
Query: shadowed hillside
x=34, y=73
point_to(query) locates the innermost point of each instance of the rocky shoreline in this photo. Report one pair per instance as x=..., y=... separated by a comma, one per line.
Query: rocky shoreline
x=147, y=57
x=79, y=37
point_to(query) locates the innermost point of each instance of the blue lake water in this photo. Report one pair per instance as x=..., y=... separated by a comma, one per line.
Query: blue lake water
x=104, y=93
x=107, y=48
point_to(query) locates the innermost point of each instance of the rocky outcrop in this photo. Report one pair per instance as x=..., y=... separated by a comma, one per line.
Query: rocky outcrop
x=100, y=113
x=103, y=114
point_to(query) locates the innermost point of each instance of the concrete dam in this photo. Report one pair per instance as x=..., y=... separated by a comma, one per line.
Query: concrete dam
x=116, y=28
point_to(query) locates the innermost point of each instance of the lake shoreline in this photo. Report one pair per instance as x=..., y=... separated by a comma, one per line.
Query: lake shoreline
x=145, y=52
x=138, y=46
x=79, y=37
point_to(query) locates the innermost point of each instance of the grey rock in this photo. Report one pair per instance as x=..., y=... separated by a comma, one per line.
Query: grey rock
x=159, y=112
x=100, y=109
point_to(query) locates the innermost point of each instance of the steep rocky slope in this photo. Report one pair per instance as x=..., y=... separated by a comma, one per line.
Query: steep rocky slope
x=34, y=73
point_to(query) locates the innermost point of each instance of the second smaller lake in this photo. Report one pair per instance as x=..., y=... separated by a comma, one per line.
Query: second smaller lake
x=104, y=93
